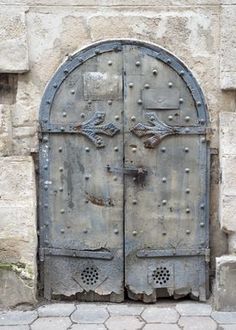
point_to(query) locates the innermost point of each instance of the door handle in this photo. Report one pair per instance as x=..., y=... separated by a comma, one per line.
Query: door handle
x=134, y=171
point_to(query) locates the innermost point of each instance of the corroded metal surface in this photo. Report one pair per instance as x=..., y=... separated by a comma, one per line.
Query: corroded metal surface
x=133, y=215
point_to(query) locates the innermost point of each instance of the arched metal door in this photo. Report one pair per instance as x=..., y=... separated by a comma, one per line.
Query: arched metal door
x=123, y=176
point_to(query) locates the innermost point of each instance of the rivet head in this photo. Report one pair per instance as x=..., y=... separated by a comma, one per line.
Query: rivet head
x=87, y=149
x=187, y=118
x=168, y=61
x=187, y=210
x=186, y=149
x=115, y=178
x=66, y=71
x=134, y=233
x=164, y=201
x=187, y=191
x=187, y=170
x=187, y=231
x=85, y=231
x=170, y=84
x=134, y=149
x=109, y=62
x=181, y=100
x=181, y=72
x=48, y=102
x=46, y=206
x=61, y=169
x=170, y=117
x=146, y=86
x=82, y=115
x=45, y=167
x=60, y=149
x=62, y=128
x=137, y=63
x=199, y=103
x=62, y=231
x=202, y=121
x=45, y=139
x=117, y=117
x=133, y=118
x=152, y=118
x=86, y=177
x=45, y=187
x=164, y=179
x=116, y=149
x=163, y=149
x=134, y=202
x=116, y=231
x=202, y=206
x=62, y=211
x=55, y=85
x=203, y=140
x=64, y=114
x=131, y=85
x=72, y=91
x=154, y=71
x=140, y=101
x=202, y=224
x=89, y=102
x=60, y=189
x=97, y=51
x=109, y=102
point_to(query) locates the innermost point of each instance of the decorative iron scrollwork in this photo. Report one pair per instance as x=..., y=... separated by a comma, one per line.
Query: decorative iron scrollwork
x=159, y=130
x=91, y=129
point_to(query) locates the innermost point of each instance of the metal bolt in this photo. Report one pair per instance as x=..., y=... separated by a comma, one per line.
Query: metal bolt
x=163, y=179
x=64, y=114
x=134, y=149
x=87, y=149
x=202, y=224
x=140, y=101
x=61, y=169
x=164, y=201
x=134, y=232
x=187, y=170
x=72, y=91
x=116, y=231
x=186, y=149
x=134, y=202
x=109, y=62
x=62, y=231
x=187, y=232
x=154, y=71
x=187, y=210
x=131, y=85
x=82, y=115
x=187, y=118
x=170, y=117
x=170, y=84
x=60, y=189
x=109, y=102
x=146, y=86
x=187, y=191
x=60, y=149
x=62, y=211
x=181, y=100
x=163, y=149
x=117, y=117
x=137, y=63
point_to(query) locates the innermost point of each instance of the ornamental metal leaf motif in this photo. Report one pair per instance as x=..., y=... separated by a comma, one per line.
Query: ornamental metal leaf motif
x=91, y=129
x=157, y=131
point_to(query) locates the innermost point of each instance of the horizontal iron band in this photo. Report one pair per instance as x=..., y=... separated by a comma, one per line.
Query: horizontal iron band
x=147, y=253
x=106, y=255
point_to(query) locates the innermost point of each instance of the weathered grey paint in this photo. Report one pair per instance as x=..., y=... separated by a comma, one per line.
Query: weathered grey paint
x=124, y=176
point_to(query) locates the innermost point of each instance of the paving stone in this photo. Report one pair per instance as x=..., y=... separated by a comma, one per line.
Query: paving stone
x=191, y=309
x=124, y=322
x=95, y=326
x=160, y=315
x=124, y=309
x=90, y=313
x=224, y=317
x=17, y=317
x=51, y=323
x=15, y=327
x=56, y=310
x=161, y=327
x=197, y=323
x=227, y=327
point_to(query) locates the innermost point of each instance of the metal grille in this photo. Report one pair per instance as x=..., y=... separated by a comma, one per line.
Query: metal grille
x=161, y=275
x=90, y=276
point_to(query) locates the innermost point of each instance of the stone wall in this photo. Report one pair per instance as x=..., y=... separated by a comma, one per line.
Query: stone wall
x=36, y=36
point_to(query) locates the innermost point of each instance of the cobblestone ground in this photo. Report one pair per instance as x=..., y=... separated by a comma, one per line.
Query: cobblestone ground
x=99, y=316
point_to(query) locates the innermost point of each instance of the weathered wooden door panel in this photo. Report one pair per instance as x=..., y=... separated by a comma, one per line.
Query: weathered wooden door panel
x=123, y=177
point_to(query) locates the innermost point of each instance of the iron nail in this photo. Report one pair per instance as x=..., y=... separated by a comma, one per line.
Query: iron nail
x=181, y=73
x=187, y=231
x=85, y=231
x=115, y=178
x=45, y=167
x=187, y=210
x=134, y=202
x=86, y=177
x=55, y=85
x=60, y=149
x=61, y=169
x=202, y=206
x=199, y=103
x=66, y=71
x=62, y=231
x=187, y=191
x=116, y=231
x=181, y=100
x=168, y=61
x=62, y=128
x=64, y=114
x=60, y=189
x=117, y=117
x=203, y=140
x=116, y=149
x=134, y=149
x=89, y=102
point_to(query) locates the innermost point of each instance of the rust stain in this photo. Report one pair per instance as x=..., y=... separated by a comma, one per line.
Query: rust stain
x=99, y=201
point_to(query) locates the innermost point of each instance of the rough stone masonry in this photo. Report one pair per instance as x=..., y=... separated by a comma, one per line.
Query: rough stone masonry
x=36, y=36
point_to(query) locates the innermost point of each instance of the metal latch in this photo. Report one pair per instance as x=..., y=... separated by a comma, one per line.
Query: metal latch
x=134, y=171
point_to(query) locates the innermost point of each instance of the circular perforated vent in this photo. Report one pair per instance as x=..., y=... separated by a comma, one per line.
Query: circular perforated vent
x=90, y=275
x=161, y=275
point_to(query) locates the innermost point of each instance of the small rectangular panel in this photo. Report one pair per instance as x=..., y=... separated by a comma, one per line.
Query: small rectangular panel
x=102, y=86
x=161, y=98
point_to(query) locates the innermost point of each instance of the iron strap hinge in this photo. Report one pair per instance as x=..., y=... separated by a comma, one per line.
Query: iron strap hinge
x=207, y=255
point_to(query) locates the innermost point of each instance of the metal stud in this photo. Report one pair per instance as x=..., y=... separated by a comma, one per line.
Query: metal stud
x=89, y=102
x=203, y=140
x=187, y=210
x=62, y=211
x=117, y=117
x=131, y=85
x=116, y=231
x=82, y=115
x=134, y=233
x=186, y=149
x=202, y=224
x=61, y=169
x=97, y=51
x=115, y=178
x=164, y=179
x=187, y=191
x=137, y=63
x=46, y=206
x=60, y=149
x=187, y=170
x=45, y=167
x=86, y=177
x=62, y=128
x=85, y=231
x=181, y=73
x=168, y=61
x=164, y=233
x=109, y=62
x=109, y=102
x=134, y=149
x=60, y=189
x=48, y=102
x=202, y=206
x=45, y=139
x=72, y=91
x=140, y=101
x=62, y=231
x=199, y=103
x=170, y=84
x=134, y=202
x=202, y=121
x=146, y=86
x=181, y=100
x=163, y=149
x=187, y=118
x=154, y=71
x=116, y=149
x=170, y=117
x=133, y=118
x=87, y=149
x=188, y=232
x=152, y=118
x=64, y=114
x=55, y=85
x=45, y=187
x=164, y=201
x=66, y=71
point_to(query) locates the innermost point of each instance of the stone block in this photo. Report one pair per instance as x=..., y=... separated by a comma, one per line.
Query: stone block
x=18, y=238
x=13, y=41
x=228, y=175
x=227, y=133
x=225, y=289
x=227, y=213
